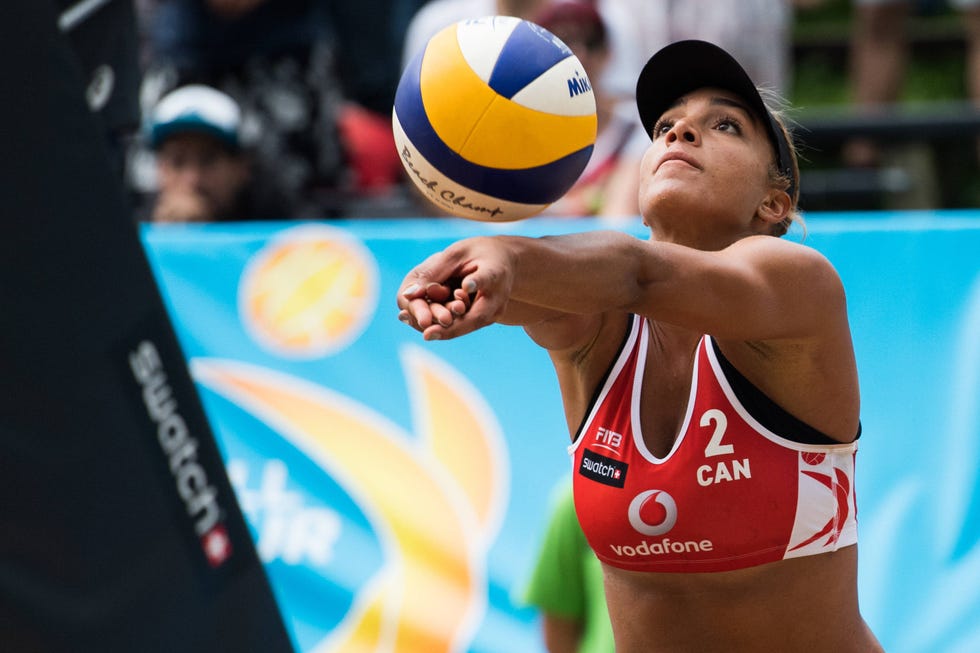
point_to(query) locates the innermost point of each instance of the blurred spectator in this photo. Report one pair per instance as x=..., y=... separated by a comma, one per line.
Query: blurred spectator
x=272, y=57
x=437, y=14
x=566, y=585
x=610, y=182
x=305, y=72
x=879, y=58
x=369, y=39
x=757, y=32
x=203, y=172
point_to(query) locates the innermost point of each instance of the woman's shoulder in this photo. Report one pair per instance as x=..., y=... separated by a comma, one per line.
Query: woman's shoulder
x=784, y=256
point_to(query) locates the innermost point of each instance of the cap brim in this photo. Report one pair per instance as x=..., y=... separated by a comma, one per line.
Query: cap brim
x=191, y=125
x=685, y=66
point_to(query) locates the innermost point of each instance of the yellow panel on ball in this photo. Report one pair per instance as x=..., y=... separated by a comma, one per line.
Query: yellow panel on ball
x=494, y=119
x=453, y=115
x=475, y=121
x=512, y=137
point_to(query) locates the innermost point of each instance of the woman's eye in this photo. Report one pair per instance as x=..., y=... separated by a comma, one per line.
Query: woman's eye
x=729, y=124
x=661, y=128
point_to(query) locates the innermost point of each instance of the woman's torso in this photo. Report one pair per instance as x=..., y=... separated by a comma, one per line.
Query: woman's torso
x=802, y=604
x=676, y=605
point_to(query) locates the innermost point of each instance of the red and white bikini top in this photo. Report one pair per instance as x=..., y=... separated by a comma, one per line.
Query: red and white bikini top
x=730, y=494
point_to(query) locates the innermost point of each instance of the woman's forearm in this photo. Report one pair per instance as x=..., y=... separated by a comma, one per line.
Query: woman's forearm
x=583, y=273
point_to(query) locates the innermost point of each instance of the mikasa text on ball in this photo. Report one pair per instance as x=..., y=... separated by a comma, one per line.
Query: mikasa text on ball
x=495, y=119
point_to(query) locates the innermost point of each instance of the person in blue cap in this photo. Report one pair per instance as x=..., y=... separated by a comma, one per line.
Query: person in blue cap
x=707, y=375
x=203, y=170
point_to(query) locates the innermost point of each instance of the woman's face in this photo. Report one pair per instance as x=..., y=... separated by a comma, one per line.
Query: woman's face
x=706, y=172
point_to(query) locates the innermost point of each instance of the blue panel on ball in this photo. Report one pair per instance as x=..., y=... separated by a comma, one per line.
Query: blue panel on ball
x=528, y=53
x=408, y=100
x=538, y=185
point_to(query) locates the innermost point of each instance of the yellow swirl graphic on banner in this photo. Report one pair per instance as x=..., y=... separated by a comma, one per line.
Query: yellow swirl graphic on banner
x=310, y=292
x=434, y=501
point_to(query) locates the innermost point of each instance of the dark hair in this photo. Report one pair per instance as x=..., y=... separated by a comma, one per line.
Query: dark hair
x=783, y=177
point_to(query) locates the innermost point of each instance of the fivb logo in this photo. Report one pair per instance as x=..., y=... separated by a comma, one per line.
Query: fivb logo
x=608, y=439
x=663, y=515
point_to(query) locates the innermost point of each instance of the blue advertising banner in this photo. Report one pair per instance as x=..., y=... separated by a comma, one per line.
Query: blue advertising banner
x=397, y=489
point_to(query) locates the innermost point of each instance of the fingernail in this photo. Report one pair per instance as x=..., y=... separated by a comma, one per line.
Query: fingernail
x=403, y=316
x=411, y=290
x=435, y=336
x=469, y=286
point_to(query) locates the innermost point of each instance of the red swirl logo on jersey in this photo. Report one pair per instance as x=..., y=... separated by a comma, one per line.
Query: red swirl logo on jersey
x=653, y=512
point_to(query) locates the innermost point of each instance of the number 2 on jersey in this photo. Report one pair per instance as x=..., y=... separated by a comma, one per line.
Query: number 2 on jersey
x=715, y=447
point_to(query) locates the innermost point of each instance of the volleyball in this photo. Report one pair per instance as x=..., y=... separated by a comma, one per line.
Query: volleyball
x=494, y=119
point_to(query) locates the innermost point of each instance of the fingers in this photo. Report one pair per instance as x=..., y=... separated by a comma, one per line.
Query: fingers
x=468, y=311
x=436, y=269
x=442, y=315
x=438, y=295
x=471, y=321
x=446, y=304
x=460, y=303
x=421, y=308
x=432, y=292
x=469, y=285
x=437, y=292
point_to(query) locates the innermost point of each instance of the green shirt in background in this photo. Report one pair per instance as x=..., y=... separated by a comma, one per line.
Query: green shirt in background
x=567, y=577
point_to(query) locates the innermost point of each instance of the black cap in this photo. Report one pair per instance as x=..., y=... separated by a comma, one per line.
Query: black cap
x=685, y=66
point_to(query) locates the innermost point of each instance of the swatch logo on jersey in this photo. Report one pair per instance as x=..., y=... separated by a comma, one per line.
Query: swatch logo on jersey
x=653, y=512
x=601, y=469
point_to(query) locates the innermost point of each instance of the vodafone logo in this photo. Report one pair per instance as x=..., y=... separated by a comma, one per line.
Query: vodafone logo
x=653, y=512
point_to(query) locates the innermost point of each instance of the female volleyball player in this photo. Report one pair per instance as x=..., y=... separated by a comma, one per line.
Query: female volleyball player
x=707, y=376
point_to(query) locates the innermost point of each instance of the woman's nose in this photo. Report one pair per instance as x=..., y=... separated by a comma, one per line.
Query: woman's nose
x=682, y=130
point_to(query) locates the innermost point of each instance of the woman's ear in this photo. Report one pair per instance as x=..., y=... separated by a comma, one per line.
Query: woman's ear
x=774, y=207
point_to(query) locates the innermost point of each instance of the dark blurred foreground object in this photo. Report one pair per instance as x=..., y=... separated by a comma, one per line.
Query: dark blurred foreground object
x=119, y=530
